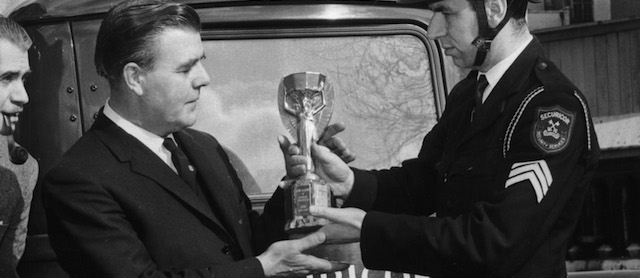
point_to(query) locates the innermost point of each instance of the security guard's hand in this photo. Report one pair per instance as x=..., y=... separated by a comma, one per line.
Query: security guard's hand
x=333, y=170
x=330, y=160
x=346, y=226
x=285, y=258
x=335, y=144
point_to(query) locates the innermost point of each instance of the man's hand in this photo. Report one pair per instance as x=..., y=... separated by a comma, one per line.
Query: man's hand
x=346, y=226
x=335, y=144
x=330, y=162
x=294, y=162
x=333, y=170
x=285, y=258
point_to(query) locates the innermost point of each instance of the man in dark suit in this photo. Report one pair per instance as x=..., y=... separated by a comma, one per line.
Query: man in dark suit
x=18, y=170
x=143, y=195
x=505, y=170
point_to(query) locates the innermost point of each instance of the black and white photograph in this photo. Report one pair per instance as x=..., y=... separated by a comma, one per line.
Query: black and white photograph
x=320, y=138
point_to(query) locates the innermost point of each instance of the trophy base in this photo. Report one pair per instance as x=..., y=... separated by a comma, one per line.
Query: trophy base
x=300, y=196
x=304, y=225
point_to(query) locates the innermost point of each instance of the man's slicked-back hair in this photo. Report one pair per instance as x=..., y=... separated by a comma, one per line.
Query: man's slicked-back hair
x=14, y=33
x=128, y=31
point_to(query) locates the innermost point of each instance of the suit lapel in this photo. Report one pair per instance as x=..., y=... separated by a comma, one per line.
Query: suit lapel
x=144, y=162
x=217, y=180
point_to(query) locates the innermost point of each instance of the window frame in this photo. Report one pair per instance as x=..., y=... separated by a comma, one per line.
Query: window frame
x=434, y=55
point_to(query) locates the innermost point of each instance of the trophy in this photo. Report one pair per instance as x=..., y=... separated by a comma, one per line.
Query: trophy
x=305, y=100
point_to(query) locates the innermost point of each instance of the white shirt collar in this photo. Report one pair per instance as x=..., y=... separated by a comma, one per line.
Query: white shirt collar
x=149, y=139
x=496, y=72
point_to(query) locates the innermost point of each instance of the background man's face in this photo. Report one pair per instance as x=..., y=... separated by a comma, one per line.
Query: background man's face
x=172, y=87
x=455, y=25
x=14, y=66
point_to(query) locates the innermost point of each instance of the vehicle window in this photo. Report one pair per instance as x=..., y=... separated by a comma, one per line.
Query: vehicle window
x=382, y=86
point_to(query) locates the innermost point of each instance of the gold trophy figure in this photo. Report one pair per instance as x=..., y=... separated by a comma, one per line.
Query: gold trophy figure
x=305, y=100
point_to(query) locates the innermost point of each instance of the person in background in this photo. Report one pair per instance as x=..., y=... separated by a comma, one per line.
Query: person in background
x=141, y=194
x=18, y=169
x=504, y=172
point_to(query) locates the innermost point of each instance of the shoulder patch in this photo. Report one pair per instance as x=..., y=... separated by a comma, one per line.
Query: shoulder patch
x=552, y=129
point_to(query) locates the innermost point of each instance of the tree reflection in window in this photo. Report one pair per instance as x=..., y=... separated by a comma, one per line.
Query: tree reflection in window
x=382, y=86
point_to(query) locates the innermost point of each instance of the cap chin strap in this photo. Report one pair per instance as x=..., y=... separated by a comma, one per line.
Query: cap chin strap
x=486, y=33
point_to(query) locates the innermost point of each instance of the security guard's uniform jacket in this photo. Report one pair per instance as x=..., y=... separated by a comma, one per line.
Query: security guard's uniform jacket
x=507, y=188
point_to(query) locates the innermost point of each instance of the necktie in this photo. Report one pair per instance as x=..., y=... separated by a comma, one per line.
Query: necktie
x=181, y=162
x=481, y=84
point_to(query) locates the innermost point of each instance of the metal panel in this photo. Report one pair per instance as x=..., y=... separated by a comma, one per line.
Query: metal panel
x=602, y=59
x=93, y=89
x=618, y=132
x=50, y=123
x=26, y=10
x=605, y=273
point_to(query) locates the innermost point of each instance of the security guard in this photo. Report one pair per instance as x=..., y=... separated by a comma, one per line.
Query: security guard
x=505, y=170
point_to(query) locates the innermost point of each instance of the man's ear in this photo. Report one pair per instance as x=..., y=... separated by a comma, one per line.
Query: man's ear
x=496, y=11
x=133, y=76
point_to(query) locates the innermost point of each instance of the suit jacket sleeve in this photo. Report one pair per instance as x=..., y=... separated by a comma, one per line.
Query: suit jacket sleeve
x=268, y=227
x=10, y=206
x=413, y=183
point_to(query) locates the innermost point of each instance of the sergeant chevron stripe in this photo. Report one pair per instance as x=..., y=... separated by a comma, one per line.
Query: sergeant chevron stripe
x=536, y=172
